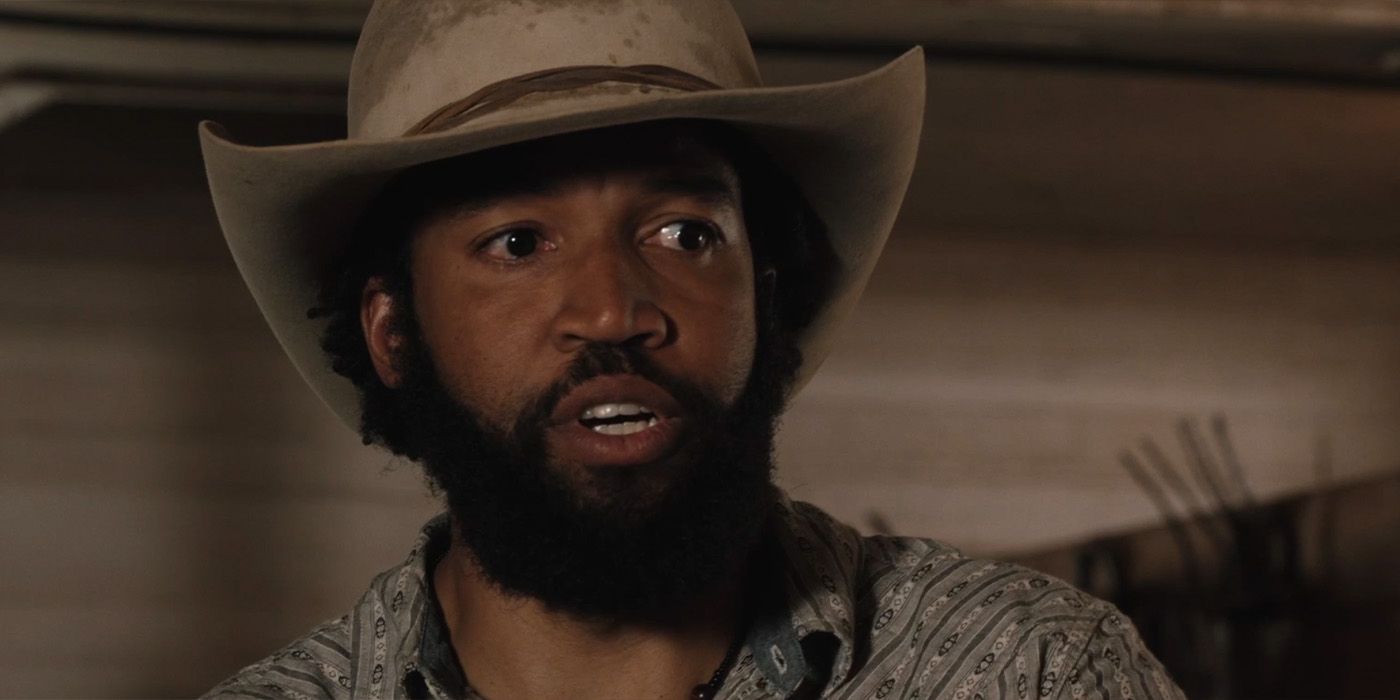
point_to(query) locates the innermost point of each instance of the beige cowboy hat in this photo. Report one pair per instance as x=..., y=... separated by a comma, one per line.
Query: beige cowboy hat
x=433, y=79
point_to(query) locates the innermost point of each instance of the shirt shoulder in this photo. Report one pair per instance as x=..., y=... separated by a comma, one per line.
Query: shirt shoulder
x=368, y=651
x=317, y=666
x=936, y=623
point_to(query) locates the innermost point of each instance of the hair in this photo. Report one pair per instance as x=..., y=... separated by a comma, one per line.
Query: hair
x=786, y=237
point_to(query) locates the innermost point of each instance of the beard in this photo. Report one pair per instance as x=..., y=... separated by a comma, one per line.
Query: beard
x=632, y=543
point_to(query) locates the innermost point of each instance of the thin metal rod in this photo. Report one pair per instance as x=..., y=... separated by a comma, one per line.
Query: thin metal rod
x=1202, y=467
x=1217, y=535
x=1232, y=462
x=1189, y=561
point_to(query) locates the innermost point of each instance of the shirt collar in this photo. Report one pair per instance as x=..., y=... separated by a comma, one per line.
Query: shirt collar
x=808, y=631
x=403, y=598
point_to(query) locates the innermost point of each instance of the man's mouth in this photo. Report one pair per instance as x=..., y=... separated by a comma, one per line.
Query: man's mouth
x=616, y=419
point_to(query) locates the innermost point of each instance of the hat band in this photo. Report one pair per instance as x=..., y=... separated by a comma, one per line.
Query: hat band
x=499, y=94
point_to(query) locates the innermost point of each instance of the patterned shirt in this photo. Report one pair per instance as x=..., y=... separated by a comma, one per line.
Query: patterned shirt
x=850, y=617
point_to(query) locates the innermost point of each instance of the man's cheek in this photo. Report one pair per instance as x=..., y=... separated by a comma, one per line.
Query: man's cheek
x=740, y=351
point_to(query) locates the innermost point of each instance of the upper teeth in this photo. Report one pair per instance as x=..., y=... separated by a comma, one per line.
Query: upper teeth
x=609, y=410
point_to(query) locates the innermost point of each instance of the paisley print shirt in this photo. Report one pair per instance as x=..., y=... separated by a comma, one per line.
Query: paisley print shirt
x=851, y=617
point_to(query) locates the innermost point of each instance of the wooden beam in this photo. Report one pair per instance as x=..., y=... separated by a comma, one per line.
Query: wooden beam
x=265, y=50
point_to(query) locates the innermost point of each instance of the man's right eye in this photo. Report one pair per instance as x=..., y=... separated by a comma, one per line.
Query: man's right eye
x=515, y=244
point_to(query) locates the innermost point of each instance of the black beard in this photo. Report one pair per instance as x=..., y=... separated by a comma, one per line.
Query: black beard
x=632, y=544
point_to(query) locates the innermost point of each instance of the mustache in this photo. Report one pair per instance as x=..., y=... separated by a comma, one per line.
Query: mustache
x=597, y=359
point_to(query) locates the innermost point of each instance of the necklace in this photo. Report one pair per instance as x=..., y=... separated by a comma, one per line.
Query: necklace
x=708, y=691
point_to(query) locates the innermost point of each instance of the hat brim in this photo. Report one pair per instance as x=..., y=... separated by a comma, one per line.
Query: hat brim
x=285, y=210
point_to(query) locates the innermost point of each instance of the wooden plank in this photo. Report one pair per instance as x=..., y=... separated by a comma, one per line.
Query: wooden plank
x=290, y=548
x=987, y=371
x=1351, y=39
x=171, y=595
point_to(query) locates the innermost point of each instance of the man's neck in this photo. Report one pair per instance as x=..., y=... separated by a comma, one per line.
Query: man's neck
x=516, y=648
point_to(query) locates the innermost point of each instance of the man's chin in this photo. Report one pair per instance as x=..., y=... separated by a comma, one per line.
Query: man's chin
x=632, y=474
x=630, y=491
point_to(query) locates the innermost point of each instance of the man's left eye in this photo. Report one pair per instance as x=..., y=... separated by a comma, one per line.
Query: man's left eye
x=690, y=236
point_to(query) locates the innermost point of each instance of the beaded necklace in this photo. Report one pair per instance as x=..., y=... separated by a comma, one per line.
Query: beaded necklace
x=708, y=691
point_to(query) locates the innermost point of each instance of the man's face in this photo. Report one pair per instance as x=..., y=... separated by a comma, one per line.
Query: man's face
x=583, y=375
x=647, y=252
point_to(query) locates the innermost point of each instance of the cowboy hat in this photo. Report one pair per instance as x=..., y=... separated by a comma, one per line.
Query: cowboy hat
x=433, y=79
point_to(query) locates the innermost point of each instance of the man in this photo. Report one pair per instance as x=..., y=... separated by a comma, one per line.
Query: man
x=573, y=260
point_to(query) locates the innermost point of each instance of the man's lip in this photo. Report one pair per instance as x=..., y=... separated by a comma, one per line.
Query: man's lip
x=615, y=388
x=576, y=443
x=572, y=441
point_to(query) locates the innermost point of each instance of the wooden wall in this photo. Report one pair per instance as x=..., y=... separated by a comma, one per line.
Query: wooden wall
x=1085, y=256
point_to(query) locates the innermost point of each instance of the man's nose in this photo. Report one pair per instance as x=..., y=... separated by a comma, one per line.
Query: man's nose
x=610, y=299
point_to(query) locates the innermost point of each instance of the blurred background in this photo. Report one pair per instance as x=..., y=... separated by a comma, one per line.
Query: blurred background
x=1138, y=326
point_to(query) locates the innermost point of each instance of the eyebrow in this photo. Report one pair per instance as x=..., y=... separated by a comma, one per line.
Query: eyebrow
x=701, y=186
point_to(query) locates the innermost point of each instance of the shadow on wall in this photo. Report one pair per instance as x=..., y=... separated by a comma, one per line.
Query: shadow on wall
x=1297, y=597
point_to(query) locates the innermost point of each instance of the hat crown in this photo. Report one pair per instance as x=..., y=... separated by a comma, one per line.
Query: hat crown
x=415, y=56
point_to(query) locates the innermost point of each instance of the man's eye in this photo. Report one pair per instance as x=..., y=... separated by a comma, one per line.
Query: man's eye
x=690, y=236
x=515, y=244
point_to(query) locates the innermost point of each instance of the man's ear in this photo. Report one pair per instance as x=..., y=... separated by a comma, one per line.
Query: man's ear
x=377, y=309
